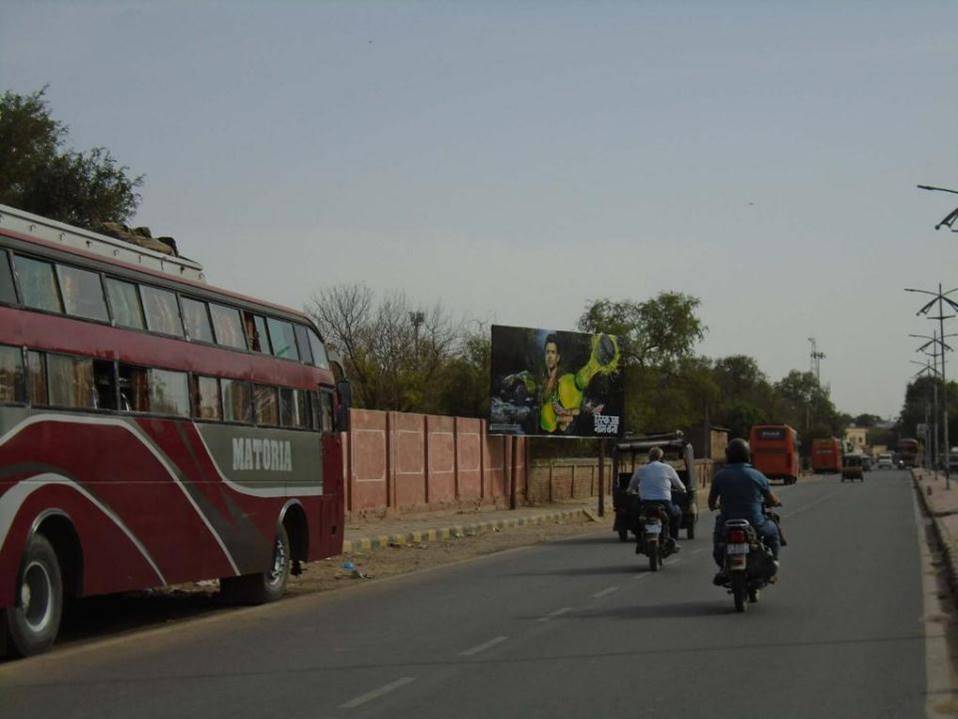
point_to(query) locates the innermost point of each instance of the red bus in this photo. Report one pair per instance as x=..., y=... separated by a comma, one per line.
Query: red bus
x=775, y=451
x=827, y=455
x=909, y=452
x=153, y=429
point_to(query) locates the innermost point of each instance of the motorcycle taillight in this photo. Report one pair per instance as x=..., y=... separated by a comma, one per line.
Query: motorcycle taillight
x=736, y=536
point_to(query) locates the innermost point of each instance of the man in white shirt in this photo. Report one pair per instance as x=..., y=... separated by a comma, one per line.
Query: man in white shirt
x=654, y=482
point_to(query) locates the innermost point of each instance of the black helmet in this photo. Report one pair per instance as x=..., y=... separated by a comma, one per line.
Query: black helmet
x=737, y=451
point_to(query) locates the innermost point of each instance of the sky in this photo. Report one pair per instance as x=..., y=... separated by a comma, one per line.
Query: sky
x=515, y=160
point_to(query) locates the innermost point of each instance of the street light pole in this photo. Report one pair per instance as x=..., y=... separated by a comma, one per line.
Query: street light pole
x=941, y=299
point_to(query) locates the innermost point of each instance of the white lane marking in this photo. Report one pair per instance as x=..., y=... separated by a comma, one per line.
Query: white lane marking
x=670, y=562
x=642, y=576
x=376, y=693
x=810, y=504
x=556, y=613
x=483, y=647
x=605, y=592
x=696, y=551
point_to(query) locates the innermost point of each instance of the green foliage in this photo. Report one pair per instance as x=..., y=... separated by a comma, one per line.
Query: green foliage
x=919, y=397
x=37, y=175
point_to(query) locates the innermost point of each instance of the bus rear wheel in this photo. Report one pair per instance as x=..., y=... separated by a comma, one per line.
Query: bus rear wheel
x=33, y=622
x=265, y=586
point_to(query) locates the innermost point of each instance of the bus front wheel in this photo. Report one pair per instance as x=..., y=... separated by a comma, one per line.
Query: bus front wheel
x=34, y=620
x=265, y=586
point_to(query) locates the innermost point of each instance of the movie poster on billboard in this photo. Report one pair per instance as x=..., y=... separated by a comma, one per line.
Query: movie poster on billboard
x=555, y=384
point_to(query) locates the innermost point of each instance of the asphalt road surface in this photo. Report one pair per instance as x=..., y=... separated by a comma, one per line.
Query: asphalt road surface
x=577, y=628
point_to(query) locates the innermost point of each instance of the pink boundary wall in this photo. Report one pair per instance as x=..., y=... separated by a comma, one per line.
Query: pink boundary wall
x=398, y=462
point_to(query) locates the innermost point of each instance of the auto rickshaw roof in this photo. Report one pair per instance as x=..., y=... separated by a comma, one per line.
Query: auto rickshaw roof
x=645, y=442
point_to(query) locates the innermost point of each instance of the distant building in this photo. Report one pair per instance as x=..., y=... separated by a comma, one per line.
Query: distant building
x=856, y=438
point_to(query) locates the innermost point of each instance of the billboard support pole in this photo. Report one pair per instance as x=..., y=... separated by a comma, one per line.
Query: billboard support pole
x=512, y=474
x=602, y=477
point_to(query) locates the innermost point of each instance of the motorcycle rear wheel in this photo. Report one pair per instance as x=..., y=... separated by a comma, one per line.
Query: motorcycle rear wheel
x=740, y=591
x=654, y=560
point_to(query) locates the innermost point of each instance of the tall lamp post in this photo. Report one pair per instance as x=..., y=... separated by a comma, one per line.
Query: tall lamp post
x=941, y=299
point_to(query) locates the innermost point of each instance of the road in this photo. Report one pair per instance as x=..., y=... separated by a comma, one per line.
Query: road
x=577, y=628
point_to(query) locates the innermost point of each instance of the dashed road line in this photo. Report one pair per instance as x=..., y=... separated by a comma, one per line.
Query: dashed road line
x=696, y=551
x=605, y=592
x=376, y=693
x=483, y=647
x=556, y=613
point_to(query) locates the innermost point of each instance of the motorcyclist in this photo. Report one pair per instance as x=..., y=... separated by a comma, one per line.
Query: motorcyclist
x=654, y=482
x=741, y=492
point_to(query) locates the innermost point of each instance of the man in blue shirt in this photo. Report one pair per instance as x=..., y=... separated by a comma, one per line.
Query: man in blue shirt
x=740, y=491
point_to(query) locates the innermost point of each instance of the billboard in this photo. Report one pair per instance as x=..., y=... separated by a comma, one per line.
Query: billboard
x=555, y=384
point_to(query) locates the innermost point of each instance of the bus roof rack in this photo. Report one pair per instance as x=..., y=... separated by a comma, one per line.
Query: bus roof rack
x=76, y=238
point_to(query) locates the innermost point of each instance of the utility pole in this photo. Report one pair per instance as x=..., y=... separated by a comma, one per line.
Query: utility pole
x=941, y=299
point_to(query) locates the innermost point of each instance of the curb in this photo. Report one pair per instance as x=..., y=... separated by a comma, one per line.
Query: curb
x=457, y=531
x=942, y=536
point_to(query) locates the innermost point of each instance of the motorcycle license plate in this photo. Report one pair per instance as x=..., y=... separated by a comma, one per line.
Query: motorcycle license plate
x=653, y=528
x=737, y=549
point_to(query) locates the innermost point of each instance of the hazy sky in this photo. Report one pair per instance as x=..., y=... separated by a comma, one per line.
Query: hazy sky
x=514, y=160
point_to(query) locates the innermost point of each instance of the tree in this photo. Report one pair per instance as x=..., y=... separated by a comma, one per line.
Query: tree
x=38, y=175
x=394, y=354
x=655, y=332
x=866, y=420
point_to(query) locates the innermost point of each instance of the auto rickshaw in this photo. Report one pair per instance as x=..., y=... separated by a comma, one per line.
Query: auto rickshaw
x=676, y=448
x=852, y=468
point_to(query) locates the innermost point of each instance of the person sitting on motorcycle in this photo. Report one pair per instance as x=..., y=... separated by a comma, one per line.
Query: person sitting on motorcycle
x=741, y=492
x=654, y=482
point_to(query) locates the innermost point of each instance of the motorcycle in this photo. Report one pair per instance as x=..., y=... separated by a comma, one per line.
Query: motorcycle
x=652, y=534
x=749, y=565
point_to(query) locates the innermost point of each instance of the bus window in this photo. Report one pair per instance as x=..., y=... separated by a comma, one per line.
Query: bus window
x=134, y=389
x=125, y=303
x=104, y=385
x=292, y=408
x=82, y=293
x=267, y=405
x=169, y=392
x=326, y=411
x=206, y=398
x=36, y=378
x=38, y=284
x=319, y=351
x=8, y=293
x=237, y=401
x=282, y=338
x=256, y=332
x=227, y=326
x=162, y=314
x=11, y=374
x=302, y=339
x=196, y=317
x=70, y=381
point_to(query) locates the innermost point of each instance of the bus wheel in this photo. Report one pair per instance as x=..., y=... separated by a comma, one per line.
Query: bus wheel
x=34, y=620
x=266, y=586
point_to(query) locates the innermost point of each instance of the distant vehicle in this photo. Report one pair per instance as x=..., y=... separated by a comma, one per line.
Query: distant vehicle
x=866, y=462
x=885, y=461
x=826, y=455
x=852, y=467
x=909, y=452
x=775, y=451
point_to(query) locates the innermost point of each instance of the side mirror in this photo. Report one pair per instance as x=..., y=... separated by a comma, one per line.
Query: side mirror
x=344, y=392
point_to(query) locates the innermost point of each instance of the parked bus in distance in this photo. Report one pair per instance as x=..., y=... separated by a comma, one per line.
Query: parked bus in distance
x=153, y=429
x=909, y=452
x=775, y=451
x=826, y=455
